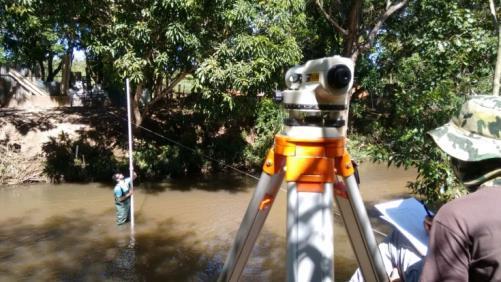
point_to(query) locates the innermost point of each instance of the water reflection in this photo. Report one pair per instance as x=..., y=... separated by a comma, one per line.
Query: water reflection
x=183, y=231
x=74, y=248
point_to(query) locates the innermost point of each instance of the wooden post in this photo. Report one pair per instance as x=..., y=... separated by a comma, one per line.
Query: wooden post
x=65, y=81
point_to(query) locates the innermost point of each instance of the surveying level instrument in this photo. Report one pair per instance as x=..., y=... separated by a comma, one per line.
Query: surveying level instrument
x=310, y=154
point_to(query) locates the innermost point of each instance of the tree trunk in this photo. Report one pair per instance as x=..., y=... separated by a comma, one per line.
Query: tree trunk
x=351, y=34
x=51, y=74
x=50, y=68
x=65, y=81
x=138, y=118
x=42, y=69
x=497, y=72
x=88, y=73
x=157, y=87
x=352, y=24
x=165, y=91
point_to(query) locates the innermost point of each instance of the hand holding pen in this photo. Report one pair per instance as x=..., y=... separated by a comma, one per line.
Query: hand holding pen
x=428, y=219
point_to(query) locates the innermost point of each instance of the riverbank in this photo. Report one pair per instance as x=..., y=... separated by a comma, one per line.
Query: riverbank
x=78, y=144
x=25, y=134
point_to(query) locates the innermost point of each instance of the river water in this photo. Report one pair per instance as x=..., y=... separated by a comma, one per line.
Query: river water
x=183, y=230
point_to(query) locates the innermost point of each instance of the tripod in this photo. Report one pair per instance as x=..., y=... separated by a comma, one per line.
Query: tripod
x=310, y=155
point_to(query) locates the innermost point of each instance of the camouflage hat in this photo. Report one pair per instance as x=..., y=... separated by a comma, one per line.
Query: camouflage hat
x=475, y=134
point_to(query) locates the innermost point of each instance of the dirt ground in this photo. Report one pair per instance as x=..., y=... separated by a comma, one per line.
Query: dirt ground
x=23, y=133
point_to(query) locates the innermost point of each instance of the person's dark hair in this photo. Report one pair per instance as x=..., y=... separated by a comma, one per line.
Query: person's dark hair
x=473, y=174
x=115, y=176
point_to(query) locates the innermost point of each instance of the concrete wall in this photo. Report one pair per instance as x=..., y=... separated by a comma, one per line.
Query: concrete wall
x=41, y=102
x=13, y=95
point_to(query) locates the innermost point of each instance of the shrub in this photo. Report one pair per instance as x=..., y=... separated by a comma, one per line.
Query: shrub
x=269, y=117
x=74, y=161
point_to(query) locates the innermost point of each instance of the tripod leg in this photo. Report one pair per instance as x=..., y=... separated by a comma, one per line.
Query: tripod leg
x=254, y=218
x=310, y=232
x=359, y=230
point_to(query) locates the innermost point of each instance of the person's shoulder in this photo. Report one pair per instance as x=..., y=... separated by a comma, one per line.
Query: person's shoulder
x=469, y=203
x=454, y=208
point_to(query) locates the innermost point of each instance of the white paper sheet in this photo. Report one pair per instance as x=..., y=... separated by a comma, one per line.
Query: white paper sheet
x=407, y=215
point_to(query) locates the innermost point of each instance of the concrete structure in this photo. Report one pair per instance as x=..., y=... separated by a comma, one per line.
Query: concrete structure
x=18, y=91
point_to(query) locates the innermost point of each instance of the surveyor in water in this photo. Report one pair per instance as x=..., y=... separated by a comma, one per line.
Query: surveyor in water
x=122, y=191
x=465, y=234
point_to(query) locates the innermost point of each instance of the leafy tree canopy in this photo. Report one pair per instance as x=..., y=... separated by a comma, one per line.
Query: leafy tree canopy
x=36, y=32
x=228, y=46
x=416, y=61
x=424, y=64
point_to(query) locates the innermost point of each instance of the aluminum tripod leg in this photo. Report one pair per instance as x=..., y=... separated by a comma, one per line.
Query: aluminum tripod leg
x=310, y=234
x=254, y=218
x=358, y=226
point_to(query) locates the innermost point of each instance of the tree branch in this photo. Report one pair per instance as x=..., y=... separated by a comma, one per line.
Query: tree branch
x=175, y=82
x=180, y=76
x=389, y=11
x=496, y=85
x=353, y=23
x=329, y=18
x=52, y=73
x=492, y=7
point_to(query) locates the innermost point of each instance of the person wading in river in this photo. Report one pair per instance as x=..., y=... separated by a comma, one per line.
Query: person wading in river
x=465, y=234
x=122, y=193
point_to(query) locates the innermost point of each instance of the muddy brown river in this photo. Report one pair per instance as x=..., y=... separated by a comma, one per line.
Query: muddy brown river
x=183, y=230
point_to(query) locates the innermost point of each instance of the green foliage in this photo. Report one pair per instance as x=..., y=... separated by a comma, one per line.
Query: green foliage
x=358, y=146
x=35, y=33
x=92, y=163
x=160, y=161
x=269, y=117
x=157, y=161
x=148, y=39
x=3, y=57
x=436, y=180
x=78, y=66
x=27, y=36
x=228, y=48
x=260, y=43
x=426, y=62
x=317, y=38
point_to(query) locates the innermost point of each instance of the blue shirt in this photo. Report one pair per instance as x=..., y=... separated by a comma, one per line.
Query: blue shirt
x=122, y=188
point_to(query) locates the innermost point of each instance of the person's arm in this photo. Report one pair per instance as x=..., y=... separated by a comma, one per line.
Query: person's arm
x=123, y=198
x=128, y=180
x=427, y=223
x=447, y=257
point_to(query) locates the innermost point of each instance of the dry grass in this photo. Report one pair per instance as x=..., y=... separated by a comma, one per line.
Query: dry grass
x=15, y=168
